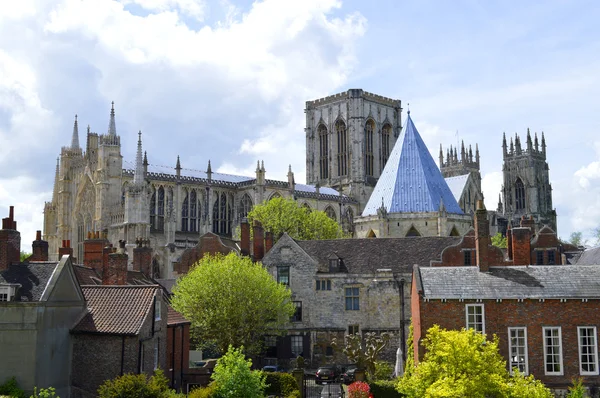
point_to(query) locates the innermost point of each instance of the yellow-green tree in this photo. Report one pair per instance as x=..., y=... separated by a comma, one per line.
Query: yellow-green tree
x=465, y=364
x=280, y=215
x=232, y=301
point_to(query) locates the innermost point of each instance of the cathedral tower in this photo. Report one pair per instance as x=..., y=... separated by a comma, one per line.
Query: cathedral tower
x=349, y=137
x=462, y=173
x=527, y=190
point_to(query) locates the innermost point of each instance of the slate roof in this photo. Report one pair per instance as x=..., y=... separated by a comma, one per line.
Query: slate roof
x=33, y=278
x=590, y=257
x=411, y=181
x=457, y=185
x=368, y=255
x=117, y=310
x=510, y=282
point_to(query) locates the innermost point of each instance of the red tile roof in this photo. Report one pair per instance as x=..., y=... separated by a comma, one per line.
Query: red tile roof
x=175, y=318
x=117, y=309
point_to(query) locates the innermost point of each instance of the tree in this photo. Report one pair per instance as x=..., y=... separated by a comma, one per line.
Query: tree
x=24, y=256
x=363, y=351
x=280, y=215
x=499, y=240
x=232, y=301
x=576, y=239
x=465, y=364
x=234, y=379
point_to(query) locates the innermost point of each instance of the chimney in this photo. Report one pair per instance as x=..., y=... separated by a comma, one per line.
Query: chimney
x=245, y=237
x=92, y=251
x=509, y=243
x=268, y=241
x=115, y=272
x=65, y=249
x=39, y=248
x=108, y=249
x=258, y=241
x=10, y=241
x=142, y=257
x=528, y=223
x=521, y=246
x=482, y=237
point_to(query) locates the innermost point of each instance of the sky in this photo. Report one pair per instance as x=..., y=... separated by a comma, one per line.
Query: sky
x=227, y=81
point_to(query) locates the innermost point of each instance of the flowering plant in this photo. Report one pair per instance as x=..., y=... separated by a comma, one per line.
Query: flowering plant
x=359, y=389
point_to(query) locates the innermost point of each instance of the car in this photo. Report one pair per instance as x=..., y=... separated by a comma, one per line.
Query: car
x=272, y=368
x=327, y=374
x=348, y=376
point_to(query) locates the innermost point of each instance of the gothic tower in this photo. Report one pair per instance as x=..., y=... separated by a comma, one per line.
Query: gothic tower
x=462, y=173
x=527, y=190
x=349, y=137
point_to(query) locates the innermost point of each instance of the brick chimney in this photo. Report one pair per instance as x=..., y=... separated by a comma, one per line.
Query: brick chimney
x=65, y=249
x=115, y=272
x=528, y=223
x=10, y=241
x=245, y=237
x=482, y=237
x=521, y=246
x=509, y=243
x=268, y=241
x=92, y=251
x=39, y=248
x=258, y=241
x=142, y=257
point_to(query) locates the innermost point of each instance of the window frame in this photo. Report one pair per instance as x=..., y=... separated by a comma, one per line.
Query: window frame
x=353, y=329
x=297, y=317
x=595, y=349
x=354, y=298
x=280, y=268
x=294, y=338
x=477, y=305
x=157, y=313
x=560, y=351
x=5, y=291
x=467, y=257
x=323, y=284
x=525, y=370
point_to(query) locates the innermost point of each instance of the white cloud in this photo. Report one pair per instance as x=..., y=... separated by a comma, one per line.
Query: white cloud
x=193, y=8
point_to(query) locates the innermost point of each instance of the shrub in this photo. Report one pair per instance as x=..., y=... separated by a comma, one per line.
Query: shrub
x=133, y=386
x=281, y=384
x=383, y=370
x=11, y=388
x=49, y=392
x=204, y=392
x=359, y=389
x=577, y=390
x=234, y=379
x=384, y=389
x=295, y=394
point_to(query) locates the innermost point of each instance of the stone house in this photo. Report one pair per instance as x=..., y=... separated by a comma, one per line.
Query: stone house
x=346, y=286
x=545, y=315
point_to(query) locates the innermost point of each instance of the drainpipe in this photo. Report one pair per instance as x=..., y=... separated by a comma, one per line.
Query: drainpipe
x=122, y=354
x=400, y=284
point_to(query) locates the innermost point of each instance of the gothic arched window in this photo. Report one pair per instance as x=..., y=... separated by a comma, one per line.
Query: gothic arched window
x=330, y=213
x=193, y=211
x=386, y=132
x=160, y=209
x=153, y=209
x=275, y=196
x=342, y=146
x=245, y=206
x=222, y=216
x=519, y=195
x=185, y=212
x=323, y=152
x=369, y=129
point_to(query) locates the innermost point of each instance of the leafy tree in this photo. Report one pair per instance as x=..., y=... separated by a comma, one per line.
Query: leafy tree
x=24, y=256
x=576, y=239
x=232, y=301
x=363, y=351
x=499, y=240
x=280, y=215
x=233, y=377
x=133, y=386
x=465, y=364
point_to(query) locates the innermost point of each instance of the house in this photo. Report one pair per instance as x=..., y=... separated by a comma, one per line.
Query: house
x=346, y=286
x=545, y=315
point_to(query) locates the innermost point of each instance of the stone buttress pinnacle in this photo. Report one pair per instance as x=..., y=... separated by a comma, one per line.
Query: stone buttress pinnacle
x=138, y=175
x=75, y=138
x=112, y=128
x=55, y=190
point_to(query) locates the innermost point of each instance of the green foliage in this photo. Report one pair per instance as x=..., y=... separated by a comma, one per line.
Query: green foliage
x=409, y=365
x=209, y=391
x=576, y=239
x=24, y=256
x=363, y=351
x=280, y=215
x=294, y=394
x=383, y=370
x=465, y=364
x=280, y=384
x=384, y=389
x=49, y=392
x=132, y=386
x=232, y=301
x=233, y=377
x=499, y=240
x=11, y=388
x=577, y=390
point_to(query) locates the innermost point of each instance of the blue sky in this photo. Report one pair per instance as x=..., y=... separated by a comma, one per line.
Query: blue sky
x=227, y=81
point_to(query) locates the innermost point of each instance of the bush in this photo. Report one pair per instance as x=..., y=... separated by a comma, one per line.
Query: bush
x=204, y=392
x=234, y=379
x=133, y=386
x=11, y=389
x=383, y=370
x=577, y=390
x=49, y=392
x=385, y=389
x=295, y=394
x=281, y=384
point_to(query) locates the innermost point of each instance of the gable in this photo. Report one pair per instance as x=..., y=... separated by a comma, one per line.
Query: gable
x=63, y=286
x=287, y=252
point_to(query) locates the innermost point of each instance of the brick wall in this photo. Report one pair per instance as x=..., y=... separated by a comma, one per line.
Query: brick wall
x=39, y=248
x=92, y=253
x=208, y=243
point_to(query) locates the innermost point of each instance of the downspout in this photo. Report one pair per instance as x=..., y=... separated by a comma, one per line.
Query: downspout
x=402, y=320
x=122, y=353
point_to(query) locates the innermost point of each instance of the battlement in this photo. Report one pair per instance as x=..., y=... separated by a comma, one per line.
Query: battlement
x=68, y=151
x=354, y=93
x=110, y=140
x=454, y=165
x=533, y=148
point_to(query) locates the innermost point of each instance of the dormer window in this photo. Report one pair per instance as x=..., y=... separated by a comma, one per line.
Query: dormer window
x=4, y=293
x=333, y=264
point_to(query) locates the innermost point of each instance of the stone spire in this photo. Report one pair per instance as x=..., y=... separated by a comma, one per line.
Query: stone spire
x=504, y=147
x=112, y=128
x=477, y=153
x=75, y=138
x=529, y=142
x=145, y=163
x=543, y=145
x=462, y=152
x=536, y=143
x=441, y=156
x=55, y=190
x=209, y=171
x=138, y=174
x=178, y=167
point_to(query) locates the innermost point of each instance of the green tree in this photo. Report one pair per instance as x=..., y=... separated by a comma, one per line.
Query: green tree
x=363, y=350
x=465, y=364
x=24, y=255
x=232, y=301
x=576, y=239
x=499, y=240
x=280, y=215
x=234, y=378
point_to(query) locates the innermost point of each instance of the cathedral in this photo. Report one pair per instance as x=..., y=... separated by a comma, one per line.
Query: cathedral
x=365, y=168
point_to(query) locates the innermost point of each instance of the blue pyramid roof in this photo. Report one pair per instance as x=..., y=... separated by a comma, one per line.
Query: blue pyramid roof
x=411, y=181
